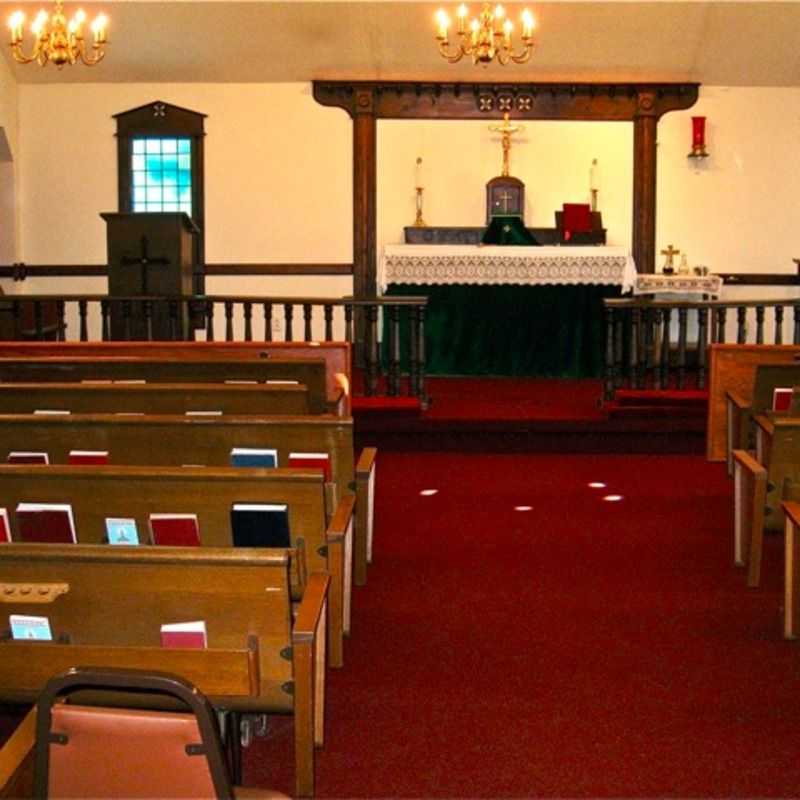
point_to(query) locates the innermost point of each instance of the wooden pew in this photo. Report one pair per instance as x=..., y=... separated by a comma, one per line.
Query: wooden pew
x=337, y=355
x=99, y=492
x=16, y=759
x=153, y=398
x=310, y=373
x=106, y=606
x=741, y=410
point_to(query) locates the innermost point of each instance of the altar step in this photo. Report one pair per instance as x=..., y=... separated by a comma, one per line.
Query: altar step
x=673, y=404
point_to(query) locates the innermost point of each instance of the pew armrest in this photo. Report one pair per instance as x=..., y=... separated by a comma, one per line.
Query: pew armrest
x=365, y=512
x=16, y=758
x=737, y=411
x=340, y=566
x=309, y=648
x=749, y=498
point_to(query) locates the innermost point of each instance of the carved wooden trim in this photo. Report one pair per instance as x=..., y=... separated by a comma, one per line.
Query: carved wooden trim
x=640, y=103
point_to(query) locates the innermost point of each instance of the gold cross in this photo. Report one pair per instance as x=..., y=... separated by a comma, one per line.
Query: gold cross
x=505, y=197
x=670, y=253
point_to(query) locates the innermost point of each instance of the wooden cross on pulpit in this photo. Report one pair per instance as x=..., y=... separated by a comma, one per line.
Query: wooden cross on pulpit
x=144, y=261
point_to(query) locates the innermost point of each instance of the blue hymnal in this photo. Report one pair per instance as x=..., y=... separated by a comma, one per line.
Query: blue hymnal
x=24, y=627
x=260, y=525
x=254, y=457
x=121, y=531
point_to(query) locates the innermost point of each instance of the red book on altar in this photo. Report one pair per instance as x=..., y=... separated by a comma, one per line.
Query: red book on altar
x=184, y=634
x=51, y=523
x=87, y=457
x=782, y=399
x=175, y=530
x=576, y=218
x=308, y=460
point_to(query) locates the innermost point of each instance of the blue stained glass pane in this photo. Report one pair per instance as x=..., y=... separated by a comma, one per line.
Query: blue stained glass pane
x=169, y=162
x=153, y=146
x=138, y=145
x=154, y=163
x=153, y=194
x=154, y=206
x=185, y=177
x=170, y=194
x=185, y=194
x=184, y=162
x=184, y=145
x=153, y=179
x=171, y=207
x=139, y=207
x=138, y=194
x=137, y=162
x=171, y=178
x=169, y=145
x=138, y=178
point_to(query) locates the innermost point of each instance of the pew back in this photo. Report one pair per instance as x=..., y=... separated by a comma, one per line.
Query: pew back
x=162, y=398
x=310, y=373
x=337, y=355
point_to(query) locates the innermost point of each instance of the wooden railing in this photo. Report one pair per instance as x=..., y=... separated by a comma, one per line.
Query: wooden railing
x=97, y=317
x=655, y=344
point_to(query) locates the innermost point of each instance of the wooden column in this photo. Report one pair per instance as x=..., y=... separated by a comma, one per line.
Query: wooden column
x=645, y=125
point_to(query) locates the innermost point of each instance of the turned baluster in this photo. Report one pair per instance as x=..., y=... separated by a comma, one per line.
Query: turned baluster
x=665, y=348
x=248, y=321
x=759, y=324
x=778, y=324
x=636, y=324
x=38, y=319
x=608, y=383
x=722, y=314
x=741, y=324
x=307, y=333
x=267, y=322
x=83, y=311
x=348, y=323
x=61, y=321
x=796, y=312
x=394, y=351
x=372, y=350
x=682, y=316
x=619, y=344
x=106, y=320
x=126, y=320
x=328, y=311
x=229, y=320
x=174, y=333
x=209, y=320
x=147, y=310
x=288, y=314
x=420, y=337
x=702, y=343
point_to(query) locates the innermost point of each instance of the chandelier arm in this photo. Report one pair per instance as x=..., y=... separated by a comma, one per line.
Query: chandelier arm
x=502, y=57
x=90, y=61
x=452, y=57
x=20, y=57
x=524, y=56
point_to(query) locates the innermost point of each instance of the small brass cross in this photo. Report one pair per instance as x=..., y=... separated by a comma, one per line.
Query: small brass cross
x=506, y=198
x=670, y=253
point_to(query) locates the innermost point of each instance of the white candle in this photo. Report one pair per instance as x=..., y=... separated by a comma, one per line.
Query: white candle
x=594, y=180
x=418, y=173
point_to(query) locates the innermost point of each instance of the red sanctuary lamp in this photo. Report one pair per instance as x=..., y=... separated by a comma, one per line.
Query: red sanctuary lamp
x=698, y=138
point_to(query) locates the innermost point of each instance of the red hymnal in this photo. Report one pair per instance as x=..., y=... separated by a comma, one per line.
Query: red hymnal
x=184, y=634
x=5, y=527
x=51, y=523
x=309, y=460
x=26, y=457
x=577, y=218
x=83, y=457
x=781, y=399
x=175, y=530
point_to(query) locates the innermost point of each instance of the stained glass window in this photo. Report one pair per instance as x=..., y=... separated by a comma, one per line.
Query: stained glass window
x=161, y=174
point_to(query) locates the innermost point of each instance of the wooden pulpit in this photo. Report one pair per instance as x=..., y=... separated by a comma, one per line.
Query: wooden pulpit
x=149, y=254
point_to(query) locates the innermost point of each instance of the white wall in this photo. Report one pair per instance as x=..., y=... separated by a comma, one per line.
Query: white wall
x=8, y=166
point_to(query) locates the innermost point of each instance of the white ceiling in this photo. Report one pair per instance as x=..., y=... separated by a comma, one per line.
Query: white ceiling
x=715, y=43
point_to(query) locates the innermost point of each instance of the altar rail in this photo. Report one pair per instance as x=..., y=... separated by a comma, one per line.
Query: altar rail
x=660, y=344
x=239, y=318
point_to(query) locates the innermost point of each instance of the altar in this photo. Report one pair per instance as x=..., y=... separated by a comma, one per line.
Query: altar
x=504, y=310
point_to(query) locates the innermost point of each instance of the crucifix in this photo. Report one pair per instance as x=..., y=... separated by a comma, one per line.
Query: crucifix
x=506, y=130
x=670, y=253
x=144, y=261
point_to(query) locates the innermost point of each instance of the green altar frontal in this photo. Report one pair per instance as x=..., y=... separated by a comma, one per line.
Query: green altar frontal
x=553, y=331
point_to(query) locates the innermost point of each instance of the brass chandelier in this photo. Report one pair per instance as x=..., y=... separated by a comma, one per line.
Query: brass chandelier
x=486, y=38
x=58, y=41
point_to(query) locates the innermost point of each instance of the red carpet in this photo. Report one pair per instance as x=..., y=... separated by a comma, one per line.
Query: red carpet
x=581, y=649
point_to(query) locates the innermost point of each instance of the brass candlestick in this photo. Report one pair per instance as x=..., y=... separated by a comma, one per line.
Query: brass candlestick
x=419, y=222
x=594, y=199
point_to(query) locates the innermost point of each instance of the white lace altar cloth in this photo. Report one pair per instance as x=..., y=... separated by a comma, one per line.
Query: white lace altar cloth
x=493, y=265
x=658, y=283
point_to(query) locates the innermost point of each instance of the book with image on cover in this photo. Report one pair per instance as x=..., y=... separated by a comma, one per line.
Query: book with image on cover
x=25, y=627
x=184, y=634
x=5, y=527
x=260, y=525
x=27, y=457
x=51, y=523
x=87, y=457
x=175, y=530
x=782, y=398
x=311, y=460
x=120, y=530
x=254, y=457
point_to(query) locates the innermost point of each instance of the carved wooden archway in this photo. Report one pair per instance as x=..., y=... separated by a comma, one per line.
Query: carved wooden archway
x=368, y=101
